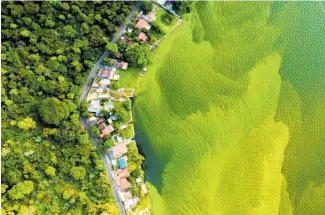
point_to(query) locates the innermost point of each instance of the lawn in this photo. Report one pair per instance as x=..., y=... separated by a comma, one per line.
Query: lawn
x=129, y=77
x=205, y=114
x=118, y=105
x=160, y=20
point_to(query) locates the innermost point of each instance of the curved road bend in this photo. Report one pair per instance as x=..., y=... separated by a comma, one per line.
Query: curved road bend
x=83, y=95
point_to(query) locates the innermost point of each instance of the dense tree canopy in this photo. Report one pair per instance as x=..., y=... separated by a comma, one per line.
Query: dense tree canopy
x=47, y=50
x=138, y=55
x=53, y=111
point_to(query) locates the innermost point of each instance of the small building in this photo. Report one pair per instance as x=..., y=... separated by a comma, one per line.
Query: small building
x=121, y=65
x=95, y=85
x=92, y=121
x=138, y=180
x=122, y=163
x=105, y=130
x=145, y=69
x=142, y=36
x=110, y=121
x=108, y=73
x=141, y=24
x=129, y=203
x=130, y=29
x=118, y=150
x=123, y=183
x=123, y=173
x=104, y=82
x=95, y=107
x=150, y=17
x=108, y=129
x=148, y=27
x=128, y=195
x=161, y=2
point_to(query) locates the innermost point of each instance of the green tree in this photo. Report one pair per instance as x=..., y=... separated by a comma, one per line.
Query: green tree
x=50, y=171
x=53, y=111
x=138, y=55
x=78, y=172
x=146, y=7
x=112, y=48
x=94, y=131
x=27, y=124
x=21, y=189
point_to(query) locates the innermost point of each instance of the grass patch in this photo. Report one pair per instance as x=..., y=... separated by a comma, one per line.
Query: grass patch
x=162, y=22
x=129, y=78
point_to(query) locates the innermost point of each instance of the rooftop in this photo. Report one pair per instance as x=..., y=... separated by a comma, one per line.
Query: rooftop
x=141, y=23
x=122, y=163
x=123, y=173
x=142, y=36
x=124, y=183
x=119, y=149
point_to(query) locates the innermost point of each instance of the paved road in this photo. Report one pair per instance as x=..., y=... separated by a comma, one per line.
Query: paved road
x=123, y=26
x=83, y=95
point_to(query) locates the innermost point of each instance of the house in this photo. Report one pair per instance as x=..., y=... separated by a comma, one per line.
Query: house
x=141, y=23
x=122, y=163
x=131, y=202
x=110, y=121
x=130, y=29
x=95, y=107
x=121, y=65
x=95, y=85
x=161, y=2
x=123, y=183
x=92, y=121
x=150, y=17
x=128, y=195
x=118, y=150
x=108, y=73
x=123, y=173
x=138, y=180
x=104, y=82
x=148, y=27
x=105, y=130
x=142, y=36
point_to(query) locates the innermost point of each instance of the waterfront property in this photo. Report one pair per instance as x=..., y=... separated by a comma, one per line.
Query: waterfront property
x=110, y=117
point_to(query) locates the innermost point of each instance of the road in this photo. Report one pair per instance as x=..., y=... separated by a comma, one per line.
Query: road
x=83, y=95
x=123, y=26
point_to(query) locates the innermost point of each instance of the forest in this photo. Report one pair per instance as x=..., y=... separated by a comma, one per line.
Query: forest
x=49, y=165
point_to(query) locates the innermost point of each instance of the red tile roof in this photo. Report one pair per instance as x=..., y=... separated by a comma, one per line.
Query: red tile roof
x=124, y=183
x=142, y=36
x=141, y=23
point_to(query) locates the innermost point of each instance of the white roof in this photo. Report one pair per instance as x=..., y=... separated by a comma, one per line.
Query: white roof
x=144, y=189
x=94, y=105
x=162, y=2
x=105, y=81
x=138, y=180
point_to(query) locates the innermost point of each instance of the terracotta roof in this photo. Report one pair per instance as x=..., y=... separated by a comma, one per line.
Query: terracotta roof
x=123, y=173
x=141, y=23
x=101, y=126
x=107, y=130
x=142, y=36
x=124, y=183
x=108, y=73
x=120, y=149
